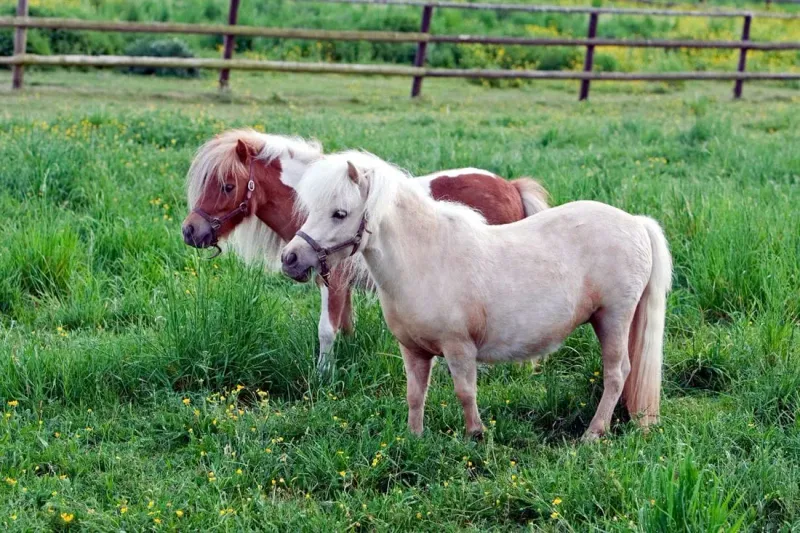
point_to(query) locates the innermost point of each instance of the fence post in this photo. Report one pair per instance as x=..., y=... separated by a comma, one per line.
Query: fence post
x=225, y=74
x=737, y=89
x=422, y=48
x=589, y=60
x=20, y=42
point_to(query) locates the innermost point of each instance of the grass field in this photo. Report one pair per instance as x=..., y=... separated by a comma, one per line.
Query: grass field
x=143, y=387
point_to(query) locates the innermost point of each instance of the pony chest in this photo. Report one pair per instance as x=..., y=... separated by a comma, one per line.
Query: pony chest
x=413, y=331
x=431, y=328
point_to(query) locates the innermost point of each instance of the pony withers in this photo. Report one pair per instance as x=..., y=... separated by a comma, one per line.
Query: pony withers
x=452, y=286
x=241, y=192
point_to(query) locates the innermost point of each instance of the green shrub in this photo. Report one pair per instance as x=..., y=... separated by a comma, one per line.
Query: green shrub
x=161, y=48
x=605, y=63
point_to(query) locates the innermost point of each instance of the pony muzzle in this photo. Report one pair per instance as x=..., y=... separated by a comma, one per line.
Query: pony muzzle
x=298, y=260
x=197, y=232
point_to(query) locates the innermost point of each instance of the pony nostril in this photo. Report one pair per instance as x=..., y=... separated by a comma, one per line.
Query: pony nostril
x=188, y=229
x=290, y=259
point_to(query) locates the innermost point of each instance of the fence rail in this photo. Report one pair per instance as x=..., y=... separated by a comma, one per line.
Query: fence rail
x=422, y=38
x=565, y=9
x=378, y=36
x=383, y=70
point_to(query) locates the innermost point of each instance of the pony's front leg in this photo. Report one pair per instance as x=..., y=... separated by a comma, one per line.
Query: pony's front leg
x=326, y=331
x=335, y=314
x=612, y=330
x=463, y=366
x=418, y=376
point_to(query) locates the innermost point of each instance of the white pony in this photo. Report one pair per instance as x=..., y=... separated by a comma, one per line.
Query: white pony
x=451, y=285
x=241, y=196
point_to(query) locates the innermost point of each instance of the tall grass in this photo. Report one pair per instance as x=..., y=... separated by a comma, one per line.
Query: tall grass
x=138, y=379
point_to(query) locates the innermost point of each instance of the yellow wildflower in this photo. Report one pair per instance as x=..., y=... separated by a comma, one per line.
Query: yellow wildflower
x=13, y=403
x=11, y=481
x=67, y=517
x=557, y=501
x=179, y=513
x=554, y=515
x=187, y=401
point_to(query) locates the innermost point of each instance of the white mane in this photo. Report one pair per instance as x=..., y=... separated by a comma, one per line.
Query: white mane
x=327, y=179
x=252, y=240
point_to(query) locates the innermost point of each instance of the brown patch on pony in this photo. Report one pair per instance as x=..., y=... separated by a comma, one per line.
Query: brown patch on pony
x=495, y=198
x=275, y=200
x=340, y=311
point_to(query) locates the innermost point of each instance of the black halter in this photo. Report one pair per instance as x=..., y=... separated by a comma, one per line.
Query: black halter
x=217, y=222
x=323, y=253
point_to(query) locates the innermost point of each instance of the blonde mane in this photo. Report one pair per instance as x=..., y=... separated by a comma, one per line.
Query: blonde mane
x=252, y=240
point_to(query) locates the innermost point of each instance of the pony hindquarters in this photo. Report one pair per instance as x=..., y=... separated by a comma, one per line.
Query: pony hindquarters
x=534, y=196
x=631, y=334
x=642, y=392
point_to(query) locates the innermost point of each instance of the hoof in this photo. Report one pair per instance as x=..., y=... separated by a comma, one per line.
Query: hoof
x=591, y=436
x=476, y=435
x=325, y=368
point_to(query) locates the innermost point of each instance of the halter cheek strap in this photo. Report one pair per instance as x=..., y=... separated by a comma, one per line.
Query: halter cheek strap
x=323, y=253
x=242, y=208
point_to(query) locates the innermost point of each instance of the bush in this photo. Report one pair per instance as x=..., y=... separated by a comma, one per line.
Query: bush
x=605, y=63
x=161, y=48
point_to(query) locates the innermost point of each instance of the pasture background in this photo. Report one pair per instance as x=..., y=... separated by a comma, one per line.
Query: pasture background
x=144, y=387
x=295, y=14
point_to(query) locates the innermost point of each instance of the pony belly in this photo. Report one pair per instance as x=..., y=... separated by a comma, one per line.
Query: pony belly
x=519, y=351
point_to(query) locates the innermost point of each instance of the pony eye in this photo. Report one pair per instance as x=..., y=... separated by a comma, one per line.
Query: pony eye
x=228, y=187
x=339, y=214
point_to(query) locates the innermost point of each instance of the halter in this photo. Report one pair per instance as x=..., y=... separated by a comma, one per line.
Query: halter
x=323, y=253
x=217, y=222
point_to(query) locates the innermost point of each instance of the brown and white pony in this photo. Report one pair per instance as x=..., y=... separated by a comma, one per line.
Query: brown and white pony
x=256, y=221
x=498, y=293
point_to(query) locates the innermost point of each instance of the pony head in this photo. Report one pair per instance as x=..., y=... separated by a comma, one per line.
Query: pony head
x=338, y=194
x=227, y=178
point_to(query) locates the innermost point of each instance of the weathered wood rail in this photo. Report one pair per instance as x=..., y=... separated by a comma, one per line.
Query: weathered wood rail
x=423, y=38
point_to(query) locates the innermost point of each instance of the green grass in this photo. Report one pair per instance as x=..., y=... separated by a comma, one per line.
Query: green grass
x=121, y=350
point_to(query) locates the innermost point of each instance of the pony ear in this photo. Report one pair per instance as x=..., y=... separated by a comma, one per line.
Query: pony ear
x=361, y=179
x=242, y=151
x=352, y=173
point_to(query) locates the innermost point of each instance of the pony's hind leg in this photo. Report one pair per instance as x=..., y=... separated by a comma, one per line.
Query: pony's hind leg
x=612, y=330
x=418, y=375
x=463, y=366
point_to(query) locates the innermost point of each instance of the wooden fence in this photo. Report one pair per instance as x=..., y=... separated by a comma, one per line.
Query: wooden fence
x=422, y=38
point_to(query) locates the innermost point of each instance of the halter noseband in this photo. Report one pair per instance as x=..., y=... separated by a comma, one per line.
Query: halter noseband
x=217, y=222
x=323, y=253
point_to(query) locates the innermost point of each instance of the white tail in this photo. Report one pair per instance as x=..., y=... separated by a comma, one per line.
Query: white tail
x=642, y=390
x=534, y=196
